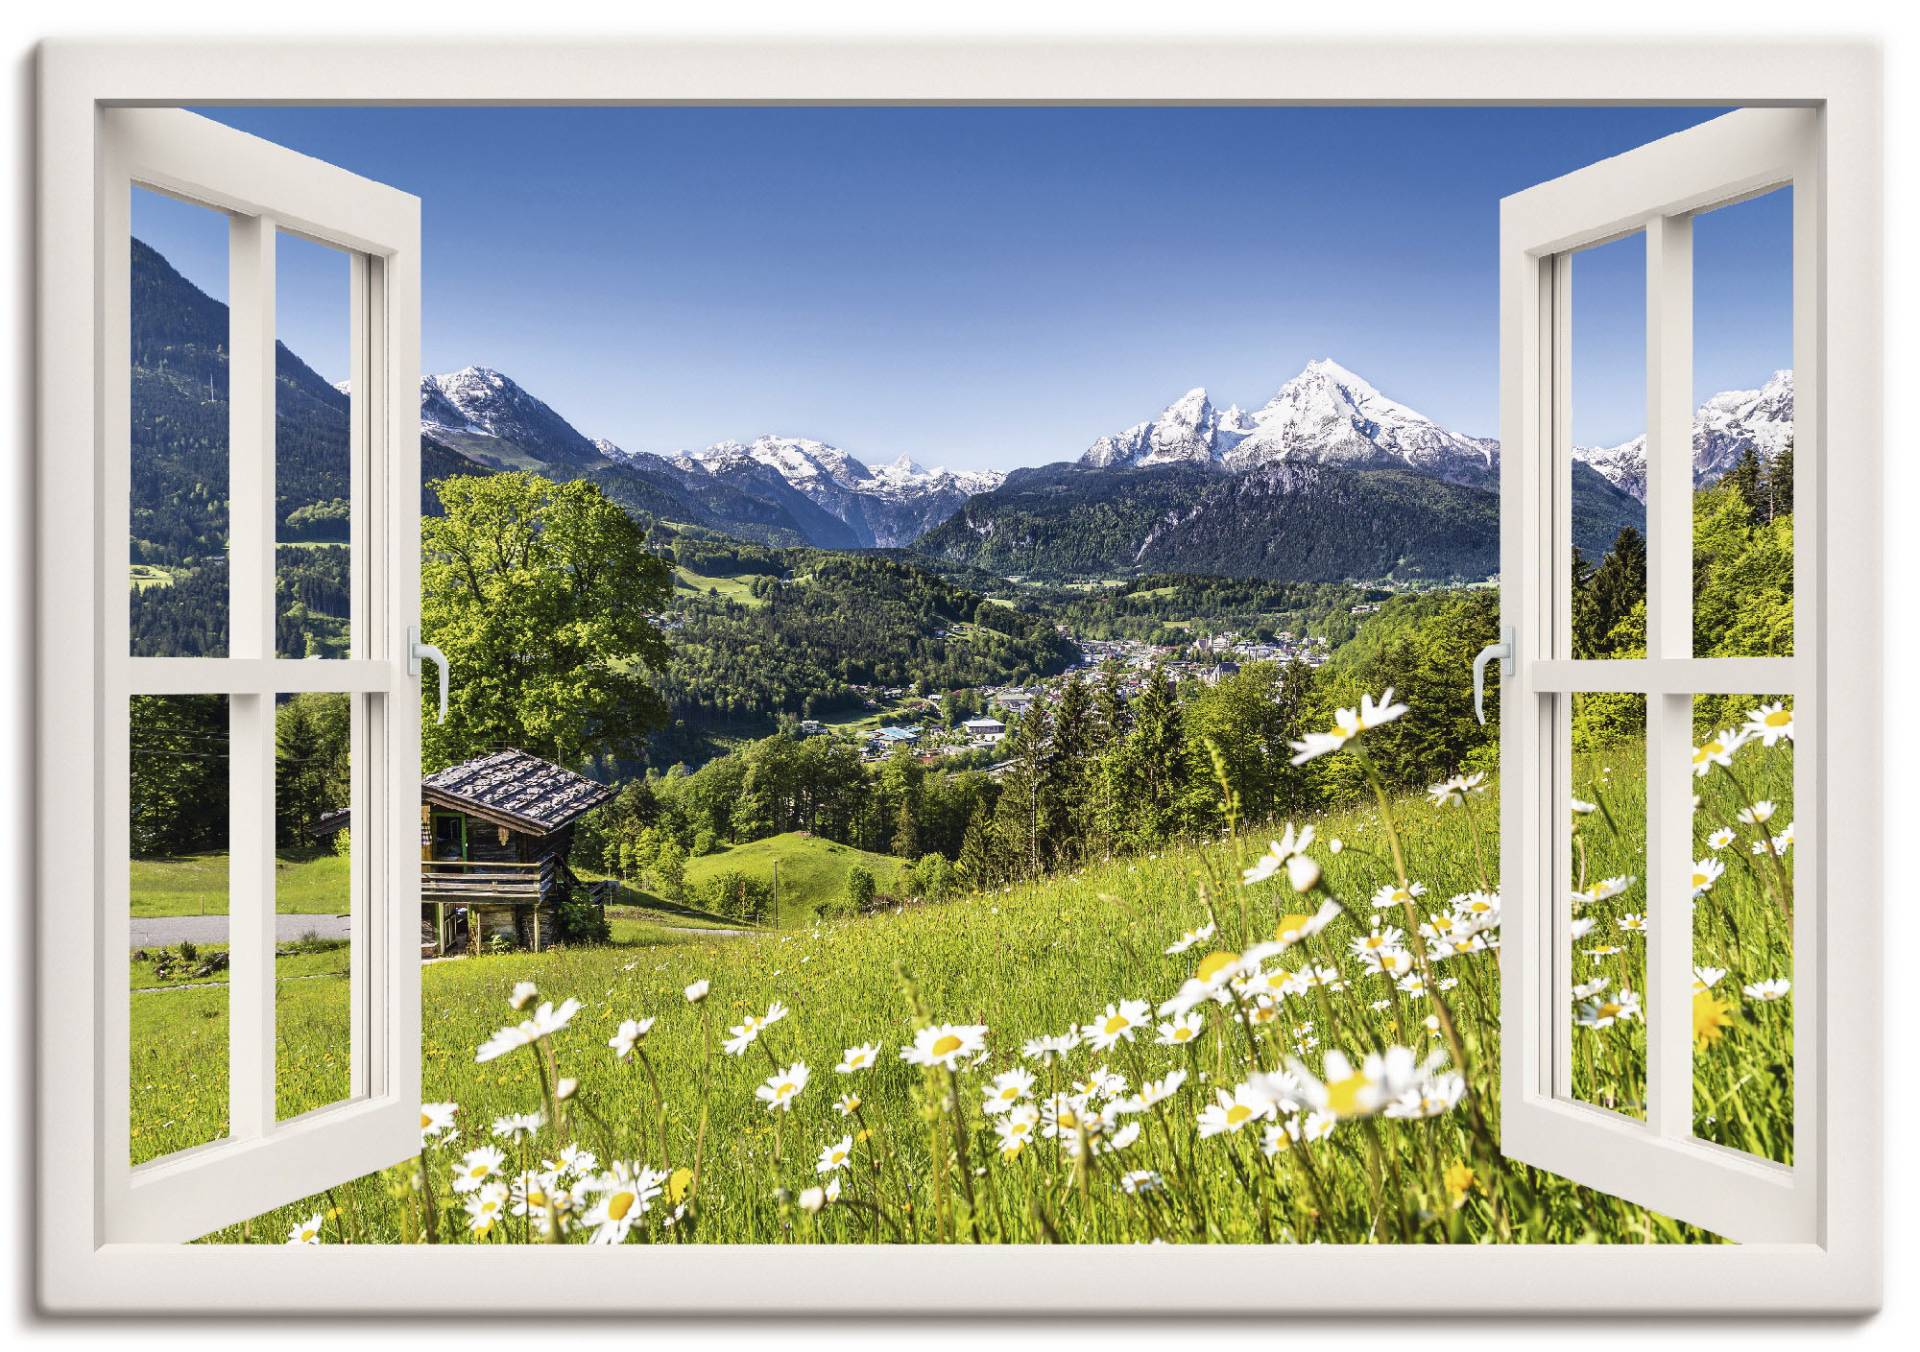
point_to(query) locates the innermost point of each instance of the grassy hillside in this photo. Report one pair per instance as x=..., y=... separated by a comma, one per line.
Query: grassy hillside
x=1045, y=958
x=196, y=884
x=812, y=869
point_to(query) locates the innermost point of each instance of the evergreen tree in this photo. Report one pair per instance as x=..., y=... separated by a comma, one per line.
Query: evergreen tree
x=1744, y=479
x=979, y=857
x=1151, y=763
x=1609, y=594
x=1074, y=762
x=1025, y=815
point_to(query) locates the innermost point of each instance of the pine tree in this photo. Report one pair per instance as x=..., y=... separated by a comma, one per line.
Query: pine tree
x=978, y=855
x=1745, y=480
x=1072, y=766
x=1609, y=594
x=1151, y=762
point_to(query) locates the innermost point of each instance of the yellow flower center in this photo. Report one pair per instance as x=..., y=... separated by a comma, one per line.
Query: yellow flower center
x=1779, y=718
x=946, y=1045
x=1182, y=1034
x=1343, y=1096
x=619, y=1205
x=478, y=1171
x=1215, y=963
x=1700, y=880
x=1290, y=925
x=1116, y=1023
x=1609, y=1009
x=1237, y=1114
x=783, y=1089
x=1068, y=1120
x=425, y=1121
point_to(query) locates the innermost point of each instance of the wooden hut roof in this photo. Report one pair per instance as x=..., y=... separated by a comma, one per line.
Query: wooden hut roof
x=513, y=789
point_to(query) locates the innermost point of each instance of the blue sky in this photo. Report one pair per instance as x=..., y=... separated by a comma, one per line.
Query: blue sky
x=990, y=287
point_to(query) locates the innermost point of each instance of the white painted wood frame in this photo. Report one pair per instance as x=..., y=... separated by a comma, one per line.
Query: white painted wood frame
x=80, y=1268
x=1655, y=190
x=264, y=190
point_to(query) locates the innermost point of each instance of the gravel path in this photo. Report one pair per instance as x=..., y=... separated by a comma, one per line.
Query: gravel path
x=159, y=931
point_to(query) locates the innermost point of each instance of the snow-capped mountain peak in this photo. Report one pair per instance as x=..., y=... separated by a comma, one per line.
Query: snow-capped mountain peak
x=488, y=416
x=1724, y=428
x=1187, y=431
x=1324, y=415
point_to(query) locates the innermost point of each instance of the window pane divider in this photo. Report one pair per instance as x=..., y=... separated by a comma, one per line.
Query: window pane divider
x=259, y=675
x=1653, y=676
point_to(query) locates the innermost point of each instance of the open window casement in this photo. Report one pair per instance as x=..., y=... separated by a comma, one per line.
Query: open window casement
x=1654, y=1154
x=267, y=196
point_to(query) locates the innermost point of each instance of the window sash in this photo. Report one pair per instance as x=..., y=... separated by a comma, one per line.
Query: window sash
x=1657, y=1163
x=263, y=1162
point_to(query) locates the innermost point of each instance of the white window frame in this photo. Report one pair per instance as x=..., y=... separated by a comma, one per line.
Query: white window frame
x=1653, y=191
x=1837, y=1269
x=264, y=191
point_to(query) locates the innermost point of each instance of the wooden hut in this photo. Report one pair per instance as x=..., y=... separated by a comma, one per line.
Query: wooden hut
x=495, y=833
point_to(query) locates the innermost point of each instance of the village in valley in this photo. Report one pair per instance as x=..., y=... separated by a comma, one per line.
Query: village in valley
x=922, y=722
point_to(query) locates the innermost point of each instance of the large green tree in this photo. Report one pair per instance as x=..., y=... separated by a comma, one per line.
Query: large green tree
x=544, y=598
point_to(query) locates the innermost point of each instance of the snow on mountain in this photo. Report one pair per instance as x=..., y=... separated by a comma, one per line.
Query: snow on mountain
x=889, y=506
x=1187, y=431
x=484, y=414
x=1723, y=429
x=1324, y=415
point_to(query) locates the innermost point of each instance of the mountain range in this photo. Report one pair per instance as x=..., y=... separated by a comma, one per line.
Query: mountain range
x=785, y=490
x=1724, y=428
x=1329, y=479
x=1326, y=415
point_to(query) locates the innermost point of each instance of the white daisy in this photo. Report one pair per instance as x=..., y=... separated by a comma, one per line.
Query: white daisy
x=1770, y=722
x=782, y=1087
x=1181, y=1030
x=744, y=1034
x=945, y=1044
x=476, y=1167
x=1705, y=873
x=1390, y=895
x=1116, y=1024
x=1006, y=1089
x=1190, y=938
x=858, y=1058
x=836, y=1156
x=629, y=1035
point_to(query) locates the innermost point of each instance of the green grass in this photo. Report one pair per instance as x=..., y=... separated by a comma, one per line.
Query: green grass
x=197, y=885
x=306, y=959
x=1038, y=959
x=739, y=589
x=179, y=1064
x=144, y=575
x=813, y=869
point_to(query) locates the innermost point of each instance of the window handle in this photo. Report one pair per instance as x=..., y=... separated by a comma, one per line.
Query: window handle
x=1502, y=650
x=418, y=651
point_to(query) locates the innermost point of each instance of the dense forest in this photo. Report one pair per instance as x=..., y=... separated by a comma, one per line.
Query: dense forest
x=803, y=628
x=1172, y=608
x=1284, y=521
